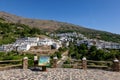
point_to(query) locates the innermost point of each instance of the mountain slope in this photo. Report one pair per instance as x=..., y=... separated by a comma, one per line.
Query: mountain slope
x=42, y=24
x=55, y=26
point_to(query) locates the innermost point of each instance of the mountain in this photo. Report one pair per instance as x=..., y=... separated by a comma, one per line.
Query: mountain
x=49, y=25
x=55, y=26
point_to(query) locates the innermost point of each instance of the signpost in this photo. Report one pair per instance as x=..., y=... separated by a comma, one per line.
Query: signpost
x=44, y=61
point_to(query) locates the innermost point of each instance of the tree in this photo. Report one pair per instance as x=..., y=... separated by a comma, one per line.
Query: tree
x=35, y=31
x=92, y=48
x=58, y=54
x=78, y=56
x=82, y=47
x=100, y=55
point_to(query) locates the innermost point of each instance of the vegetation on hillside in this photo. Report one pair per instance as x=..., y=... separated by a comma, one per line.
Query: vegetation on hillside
x=56, y=27
x=15, y=56
x=78, y=52
x=58, y=53
x=91, y=34
x=9, y=32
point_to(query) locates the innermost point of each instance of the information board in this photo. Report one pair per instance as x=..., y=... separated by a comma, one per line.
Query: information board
x=44, y=61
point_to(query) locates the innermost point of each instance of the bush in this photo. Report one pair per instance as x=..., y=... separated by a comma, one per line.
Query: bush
x=67, y=61
x=67, y=66
x=58, y=54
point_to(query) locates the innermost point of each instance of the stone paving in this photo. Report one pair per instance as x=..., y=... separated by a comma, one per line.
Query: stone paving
x=59, y=74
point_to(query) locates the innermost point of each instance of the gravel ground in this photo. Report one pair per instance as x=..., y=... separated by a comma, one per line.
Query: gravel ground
x=59, y=74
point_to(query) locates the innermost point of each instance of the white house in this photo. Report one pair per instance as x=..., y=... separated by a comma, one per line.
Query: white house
x=31, y=43
x=45, y=42
x=33, y=39
x=1, y=48
x=7, y=47
x=24, y=47
x=63, y=38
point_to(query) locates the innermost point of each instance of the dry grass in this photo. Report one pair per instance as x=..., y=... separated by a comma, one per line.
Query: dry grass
x=47, y=25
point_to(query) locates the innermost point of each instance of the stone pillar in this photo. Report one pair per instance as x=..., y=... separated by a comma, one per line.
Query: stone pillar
x=116, y=65
x=55, y=62
x=25, y=63
x=84, y=63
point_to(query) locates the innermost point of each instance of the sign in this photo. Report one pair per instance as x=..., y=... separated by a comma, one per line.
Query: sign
x=44, y=61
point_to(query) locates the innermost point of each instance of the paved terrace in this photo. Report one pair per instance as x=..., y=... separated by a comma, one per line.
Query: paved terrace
x=59, y=74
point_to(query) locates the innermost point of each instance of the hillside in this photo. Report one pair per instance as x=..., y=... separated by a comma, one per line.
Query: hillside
x=41, y=24
x=55, y=26
x=9, y=32
x=48, y=25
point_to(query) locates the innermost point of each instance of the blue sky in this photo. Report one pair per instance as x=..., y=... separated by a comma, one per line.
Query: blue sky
x=95, y=14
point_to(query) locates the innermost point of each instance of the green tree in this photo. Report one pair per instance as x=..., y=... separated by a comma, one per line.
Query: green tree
x=78, y=56
x=92, y=48
x=58, y=54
